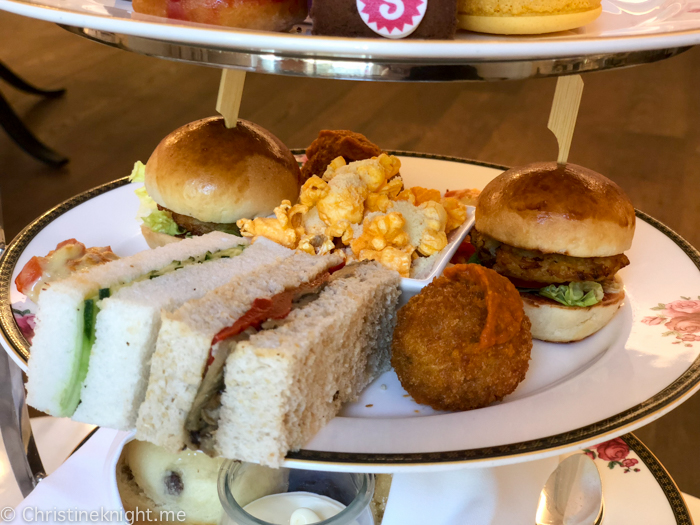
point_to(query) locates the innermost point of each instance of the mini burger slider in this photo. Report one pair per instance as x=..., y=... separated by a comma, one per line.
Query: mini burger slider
x=204, y=176
x=558, y=233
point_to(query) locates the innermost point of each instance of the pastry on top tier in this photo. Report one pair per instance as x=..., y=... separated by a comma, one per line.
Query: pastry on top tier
x=525, y=17
x=342, y=18
x=270, y=15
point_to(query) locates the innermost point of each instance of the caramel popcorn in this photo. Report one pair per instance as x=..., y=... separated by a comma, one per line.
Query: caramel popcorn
x=364, y=206
x=285, y=229
x=313, y=190
x=377, y=202
x=398, y=259
x=417, y=195
x=373, y=172
x=435, y=215
x=432, y=241
x=342, y=229
x=381, y=199
x=456, y=213
x=380, y=232
x=345, y=200
x=316, y=244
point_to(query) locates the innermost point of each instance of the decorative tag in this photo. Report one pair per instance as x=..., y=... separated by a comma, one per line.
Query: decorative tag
x=392, y=18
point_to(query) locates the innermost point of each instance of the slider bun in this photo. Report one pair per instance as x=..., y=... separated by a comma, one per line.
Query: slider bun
x=215, y=174
x=557, y=323
x=157, y=239
x=528, y=24
x=557, y=209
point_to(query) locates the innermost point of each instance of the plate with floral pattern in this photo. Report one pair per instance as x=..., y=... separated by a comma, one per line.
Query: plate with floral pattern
x=640, y=366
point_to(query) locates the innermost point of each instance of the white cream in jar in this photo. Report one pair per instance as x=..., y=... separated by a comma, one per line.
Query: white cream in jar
x=294, y=508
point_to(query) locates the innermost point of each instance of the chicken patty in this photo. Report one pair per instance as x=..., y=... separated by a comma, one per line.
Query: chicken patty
x=196, y=227
x=464, y=342
x=546, y=268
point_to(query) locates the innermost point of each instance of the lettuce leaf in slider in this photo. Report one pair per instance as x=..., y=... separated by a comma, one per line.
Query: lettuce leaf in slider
x=583, y=293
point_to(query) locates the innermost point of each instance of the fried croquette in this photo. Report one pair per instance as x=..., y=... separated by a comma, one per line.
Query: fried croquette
x=464, y=342
x=547, y=268
x=336, y=143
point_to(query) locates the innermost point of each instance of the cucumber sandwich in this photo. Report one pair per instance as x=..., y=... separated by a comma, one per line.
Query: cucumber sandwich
x=96, y=330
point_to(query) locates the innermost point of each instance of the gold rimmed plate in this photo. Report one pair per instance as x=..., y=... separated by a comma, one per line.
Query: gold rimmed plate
x=640, y=366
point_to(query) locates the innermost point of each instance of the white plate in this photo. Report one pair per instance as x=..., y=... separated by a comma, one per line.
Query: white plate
x=574, y=395
x=624, y=26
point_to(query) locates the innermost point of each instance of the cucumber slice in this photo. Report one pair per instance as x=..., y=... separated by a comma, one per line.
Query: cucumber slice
x=71, y=395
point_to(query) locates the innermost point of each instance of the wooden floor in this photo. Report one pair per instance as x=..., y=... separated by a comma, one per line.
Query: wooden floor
x=639, y=126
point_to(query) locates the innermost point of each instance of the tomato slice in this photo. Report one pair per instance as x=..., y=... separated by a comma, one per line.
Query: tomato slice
x=277, y=307
x=29, y=275
x=65, y=243
x=463, y=253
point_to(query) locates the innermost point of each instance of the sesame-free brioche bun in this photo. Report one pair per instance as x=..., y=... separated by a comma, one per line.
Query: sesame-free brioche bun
x=525, y=17
x=557, y=209
x=219, y=175
x=557, y=323
x=157, y=239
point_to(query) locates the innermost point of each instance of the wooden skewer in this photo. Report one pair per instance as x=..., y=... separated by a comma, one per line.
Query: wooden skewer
x=562, y=118
x=228, y=103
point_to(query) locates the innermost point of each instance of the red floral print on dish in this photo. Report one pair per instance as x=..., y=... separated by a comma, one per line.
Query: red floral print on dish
x=681, y=318
x=615, y=452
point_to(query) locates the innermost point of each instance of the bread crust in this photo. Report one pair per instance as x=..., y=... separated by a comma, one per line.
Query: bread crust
x=557, y=209
x=557, y=323
x=217, y=174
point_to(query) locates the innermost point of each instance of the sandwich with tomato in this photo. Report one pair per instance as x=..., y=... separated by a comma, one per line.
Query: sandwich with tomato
x=559, y=233
x=256, y=367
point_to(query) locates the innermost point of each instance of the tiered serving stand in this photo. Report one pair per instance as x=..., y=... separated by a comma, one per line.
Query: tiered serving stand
x=627, y=34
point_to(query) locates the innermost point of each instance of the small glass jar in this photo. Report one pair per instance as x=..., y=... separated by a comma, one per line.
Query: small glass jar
x=243, y=483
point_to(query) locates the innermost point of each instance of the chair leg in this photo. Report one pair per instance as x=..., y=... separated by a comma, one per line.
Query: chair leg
x=17, y=82
x=24, y=138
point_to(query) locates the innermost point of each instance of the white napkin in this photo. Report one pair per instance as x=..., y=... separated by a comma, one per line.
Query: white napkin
x=82, y=483
x=442, y=498
x=55, y=438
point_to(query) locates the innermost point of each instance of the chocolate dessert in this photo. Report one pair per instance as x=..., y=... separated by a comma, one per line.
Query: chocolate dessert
x=341, y=18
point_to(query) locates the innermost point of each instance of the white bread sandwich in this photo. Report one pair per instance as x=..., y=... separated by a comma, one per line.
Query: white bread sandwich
x=69, y=309
x=558, y=233
x=255, y=368
x=127, y=326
